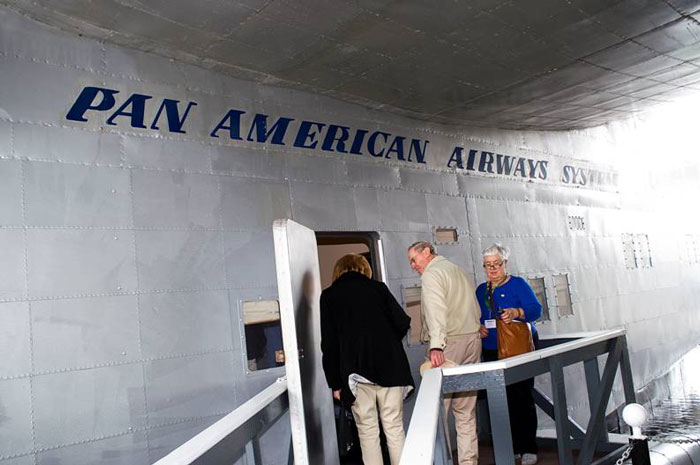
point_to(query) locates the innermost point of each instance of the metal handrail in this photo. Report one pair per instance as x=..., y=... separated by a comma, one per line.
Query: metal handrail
x=578, y=341
x=424, y=422
x=420, y=448
x=216, y=434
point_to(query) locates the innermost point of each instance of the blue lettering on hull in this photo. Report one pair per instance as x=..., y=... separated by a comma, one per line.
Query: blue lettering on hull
x=100, y=102
x=114, y=108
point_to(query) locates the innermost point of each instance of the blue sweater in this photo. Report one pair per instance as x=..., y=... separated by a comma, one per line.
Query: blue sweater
x=516, y=293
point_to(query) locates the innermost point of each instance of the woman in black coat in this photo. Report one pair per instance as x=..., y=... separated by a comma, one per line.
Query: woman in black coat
x=362, y=326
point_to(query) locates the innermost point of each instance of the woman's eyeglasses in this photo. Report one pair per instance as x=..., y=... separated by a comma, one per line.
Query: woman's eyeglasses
x=493, y=266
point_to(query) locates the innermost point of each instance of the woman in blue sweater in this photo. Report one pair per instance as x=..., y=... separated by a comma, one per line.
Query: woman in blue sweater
x=513, y=299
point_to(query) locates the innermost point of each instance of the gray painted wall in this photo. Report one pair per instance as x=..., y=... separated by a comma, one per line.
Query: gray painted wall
x=126, y=254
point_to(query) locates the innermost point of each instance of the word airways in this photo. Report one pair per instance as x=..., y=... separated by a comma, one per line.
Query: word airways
x=496, y=163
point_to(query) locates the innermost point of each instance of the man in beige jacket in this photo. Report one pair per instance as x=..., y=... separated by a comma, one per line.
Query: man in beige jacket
x=451, y=317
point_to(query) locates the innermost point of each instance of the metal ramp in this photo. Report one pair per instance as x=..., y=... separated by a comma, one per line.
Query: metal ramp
x=426, y=440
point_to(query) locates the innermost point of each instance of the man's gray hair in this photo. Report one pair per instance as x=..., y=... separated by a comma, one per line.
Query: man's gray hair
x=496, y=249
x=420, y=246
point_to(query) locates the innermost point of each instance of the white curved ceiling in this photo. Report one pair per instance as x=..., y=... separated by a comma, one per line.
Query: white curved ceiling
x=520, y=64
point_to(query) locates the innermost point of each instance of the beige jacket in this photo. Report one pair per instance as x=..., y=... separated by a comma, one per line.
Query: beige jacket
x=448, y=301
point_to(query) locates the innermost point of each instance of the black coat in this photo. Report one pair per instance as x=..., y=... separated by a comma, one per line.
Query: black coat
x=362, y=326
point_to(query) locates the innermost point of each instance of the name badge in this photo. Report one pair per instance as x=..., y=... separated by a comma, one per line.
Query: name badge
x=490, y=324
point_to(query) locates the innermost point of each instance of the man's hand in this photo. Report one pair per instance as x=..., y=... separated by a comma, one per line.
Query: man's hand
x=509, y=314
x=483, y=332
x=336, y=394
x=437, y=358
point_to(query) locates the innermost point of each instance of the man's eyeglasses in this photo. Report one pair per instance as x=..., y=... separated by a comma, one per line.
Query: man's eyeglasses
x=493, y=266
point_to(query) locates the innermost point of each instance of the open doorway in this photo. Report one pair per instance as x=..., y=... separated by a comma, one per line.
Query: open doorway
x=333, y=245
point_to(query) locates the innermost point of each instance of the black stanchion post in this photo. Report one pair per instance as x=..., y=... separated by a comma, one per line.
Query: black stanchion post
x=640, y=451
x=635, y=415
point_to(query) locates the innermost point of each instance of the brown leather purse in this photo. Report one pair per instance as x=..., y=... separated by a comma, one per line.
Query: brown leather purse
x=514, y=338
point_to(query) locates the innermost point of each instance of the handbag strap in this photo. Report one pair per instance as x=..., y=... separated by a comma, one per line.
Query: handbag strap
x=488, y=299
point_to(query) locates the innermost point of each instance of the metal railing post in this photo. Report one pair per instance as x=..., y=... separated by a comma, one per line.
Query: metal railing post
x=626, y=371
x=592, y=385
x=500, y=417
x=443, y=452
x=561, y=416
x=249, y=453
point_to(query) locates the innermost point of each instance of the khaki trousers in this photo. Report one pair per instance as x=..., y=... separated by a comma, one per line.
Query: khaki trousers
x=463, y=350
x=390, y=401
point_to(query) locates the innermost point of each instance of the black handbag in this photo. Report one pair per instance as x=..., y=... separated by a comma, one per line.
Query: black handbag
x=344, y=424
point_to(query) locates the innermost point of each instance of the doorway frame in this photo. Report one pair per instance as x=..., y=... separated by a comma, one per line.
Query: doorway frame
x=374, y=244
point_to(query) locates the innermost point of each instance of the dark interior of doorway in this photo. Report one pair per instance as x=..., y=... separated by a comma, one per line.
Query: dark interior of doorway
x=333, y=245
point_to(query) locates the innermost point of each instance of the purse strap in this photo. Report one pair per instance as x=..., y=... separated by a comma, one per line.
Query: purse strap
x=488, y=299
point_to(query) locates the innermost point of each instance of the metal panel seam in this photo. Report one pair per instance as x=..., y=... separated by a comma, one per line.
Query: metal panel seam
x=136, y=293
x=138, y=310
x=119, y=363
x=241, y=330
x=32, y=416
x=38, y=450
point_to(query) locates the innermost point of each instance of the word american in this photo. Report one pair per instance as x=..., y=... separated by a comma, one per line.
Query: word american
x=237, y=125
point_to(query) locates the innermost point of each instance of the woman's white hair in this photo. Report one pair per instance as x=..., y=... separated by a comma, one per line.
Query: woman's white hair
x=496, y=249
